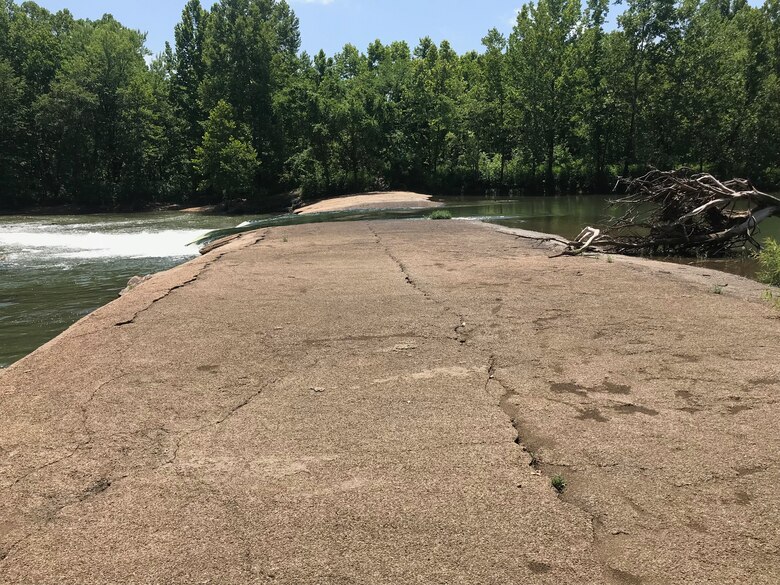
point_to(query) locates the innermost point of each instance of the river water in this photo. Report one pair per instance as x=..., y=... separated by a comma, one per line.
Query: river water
x=55, y=270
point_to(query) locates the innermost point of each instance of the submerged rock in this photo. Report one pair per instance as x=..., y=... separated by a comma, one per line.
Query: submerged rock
x=134, y=282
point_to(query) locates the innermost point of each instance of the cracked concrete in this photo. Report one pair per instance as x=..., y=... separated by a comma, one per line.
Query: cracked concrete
x=213, y=258
x=386, y=402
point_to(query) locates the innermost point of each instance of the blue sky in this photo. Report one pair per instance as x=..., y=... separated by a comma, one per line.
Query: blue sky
x=328, y=24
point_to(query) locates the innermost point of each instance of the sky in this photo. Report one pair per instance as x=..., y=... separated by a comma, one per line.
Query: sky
x=329, y=24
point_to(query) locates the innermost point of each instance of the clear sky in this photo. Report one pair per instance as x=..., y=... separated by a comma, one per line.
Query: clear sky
x=328, y=24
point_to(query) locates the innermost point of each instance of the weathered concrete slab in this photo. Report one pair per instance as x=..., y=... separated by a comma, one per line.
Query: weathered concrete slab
x=333, y=403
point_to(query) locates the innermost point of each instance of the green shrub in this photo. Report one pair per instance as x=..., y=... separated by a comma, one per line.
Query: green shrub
x=769, y=261
x=559, y=483
x=441, y=214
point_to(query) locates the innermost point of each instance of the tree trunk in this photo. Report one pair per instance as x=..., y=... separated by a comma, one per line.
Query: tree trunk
x=549, y=178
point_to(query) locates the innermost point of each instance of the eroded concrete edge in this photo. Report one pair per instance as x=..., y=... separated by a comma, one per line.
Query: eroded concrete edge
x=126, y=309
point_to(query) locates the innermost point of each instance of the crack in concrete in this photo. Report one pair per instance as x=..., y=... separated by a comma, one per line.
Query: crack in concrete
x=242, y=404
x=96, y=488
x=600, y=535
x=461, y=333
x=104, y=483
x=194, y=278
x=491, y=372
x=86, y=430
x=460, y=330
x=505, y=402
x=404, y=269
x=512, y=410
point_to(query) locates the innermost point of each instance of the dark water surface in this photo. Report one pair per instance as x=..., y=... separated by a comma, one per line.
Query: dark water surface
x=55, y=270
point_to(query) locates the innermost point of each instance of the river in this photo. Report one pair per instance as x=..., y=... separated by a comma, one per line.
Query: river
x=54, y=270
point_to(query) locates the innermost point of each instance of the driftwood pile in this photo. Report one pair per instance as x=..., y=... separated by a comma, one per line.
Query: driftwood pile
x=681, y=213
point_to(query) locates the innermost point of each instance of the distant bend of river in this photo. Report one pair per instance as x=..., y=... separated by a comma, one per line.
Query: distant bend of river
x=54, y=270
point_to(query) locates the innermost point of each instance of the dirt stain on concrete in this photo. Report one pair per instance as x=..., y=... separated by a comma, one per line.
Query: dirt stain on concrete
x=611, y=388
x=568, y=388
x=539, y=568
x=592, y=414
x=749, y=470
x=624, y=577
x=629, y=408
x=581, y=390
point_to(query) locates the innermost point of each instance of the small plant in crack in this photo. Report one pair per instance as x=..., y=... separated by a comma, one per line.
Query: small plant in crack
x=559, y=483
x=441, y=214
x=771, y=298
x=534, y=460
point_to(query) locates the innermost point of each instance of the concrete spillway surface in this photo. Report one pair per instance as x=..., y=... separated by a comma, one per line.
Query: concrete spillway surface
x=388, y=402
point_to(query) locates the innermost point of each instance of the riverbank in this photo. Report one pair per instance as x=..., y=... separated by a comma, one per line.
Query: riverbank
x=63, y=210
x=389, y=402
x=272, y=204
x=275, y=204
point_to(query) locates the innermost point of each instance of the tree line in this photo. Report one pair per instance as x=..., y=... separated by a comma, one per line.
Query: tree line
x=234, y=110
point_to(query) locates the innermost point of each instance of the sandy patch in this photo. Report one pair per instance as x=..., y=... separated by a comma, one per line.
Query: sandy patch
x=200, y=209
x=378, y=200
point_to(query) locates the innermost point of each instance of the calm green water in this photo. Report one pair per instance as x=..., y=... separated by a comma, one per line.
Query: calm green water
x=56, y=270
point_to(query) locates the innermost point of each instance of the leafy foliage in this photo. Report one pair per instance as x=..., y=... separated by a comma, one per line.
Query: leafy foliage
x=226, y=159
x=235, y=111
x=559, y=483
x=769, y=260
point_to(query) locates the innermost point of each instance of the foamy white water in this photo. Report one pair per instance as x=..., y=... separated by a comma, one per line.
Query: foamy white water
x=73, y=244
x=55, y=270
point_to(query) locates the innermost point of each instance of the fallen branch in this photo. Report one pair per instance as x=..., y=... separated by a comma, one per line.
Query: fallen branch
x=681, y=213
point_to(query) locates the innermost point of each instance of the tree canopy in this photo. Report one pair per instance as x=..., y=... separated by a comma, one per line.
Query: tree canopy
x=235, y=110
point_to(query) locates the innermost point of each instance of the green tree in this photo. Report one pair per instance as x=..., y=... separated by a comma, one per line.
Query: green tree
x=187, y=76
x=96, y=121
x=250, y=54
x=595, y=102
x=12, y=135
x=648, y=35
x=542, y=56
x=226, y=158
x=490, y=102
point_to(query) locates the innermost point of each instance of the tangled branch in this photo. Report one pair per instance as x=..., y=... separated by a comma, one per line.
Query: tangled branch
x=681, y=213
